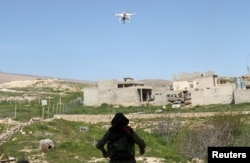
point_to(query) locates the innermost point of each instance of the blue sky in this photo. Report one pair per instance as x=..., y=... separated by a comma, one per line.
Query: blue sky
x=81, y=39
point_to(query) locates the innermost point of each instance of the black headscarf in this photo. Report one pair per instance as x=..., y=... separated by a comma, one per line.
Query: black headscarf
x=120, y=125
x=119, y=120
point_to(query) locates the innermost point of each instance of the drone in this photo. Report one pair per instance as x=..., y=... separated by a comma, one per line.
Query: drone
x=124, y=16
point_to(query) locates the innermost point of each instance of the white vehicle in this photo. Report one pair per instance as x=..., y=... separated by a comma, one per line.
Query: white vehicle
x=124, y=16
x=176, y=104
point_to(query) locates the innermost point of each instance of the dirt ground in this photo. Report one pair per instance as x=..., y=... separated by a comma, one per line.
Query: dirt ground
x=107, y=118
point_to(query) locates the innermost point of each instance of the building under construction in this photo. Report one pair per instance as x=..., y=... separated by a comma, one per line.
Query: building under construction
x=127, y=93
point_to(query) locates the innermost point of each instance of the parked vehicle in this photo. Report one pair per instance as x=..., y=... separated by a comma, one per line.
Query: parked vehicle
x=176, y=104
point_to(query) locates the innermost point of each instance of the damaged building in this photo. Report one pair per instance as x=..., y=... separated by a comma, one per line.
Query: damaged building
x=127, y=93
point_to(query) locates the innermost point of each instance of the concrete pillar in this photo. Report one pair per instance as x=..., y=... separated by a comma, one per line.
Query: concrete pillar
x=141, y=95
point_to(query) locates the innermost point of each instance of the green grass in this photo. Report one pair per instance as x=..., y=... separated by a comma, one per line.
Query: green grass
x=156, y=147
x=75, y=146
x=26, y=110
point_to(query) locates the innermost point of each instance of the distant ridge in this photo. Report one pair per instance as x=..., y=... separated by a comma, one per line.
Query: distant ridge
x=8, y=77
x=157, y=82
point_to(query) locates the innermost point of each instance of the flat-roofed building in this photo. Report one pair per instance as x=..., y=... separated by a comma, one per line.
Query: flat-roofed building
x=127, y=93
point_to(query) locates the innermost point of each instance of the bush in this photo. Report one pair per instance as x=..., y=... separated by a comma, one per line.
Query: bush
x=221, y=130
x=168, y=128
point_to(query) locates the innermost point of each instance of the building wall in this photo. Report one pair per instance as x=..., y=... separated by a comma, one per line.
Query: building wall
x=160, y=100
x=206, y=82
x=160, y=96
x=91, y=96
x=220, y=95
x=109, y=93
x=128, y=96
x=241, y=96
x=198, y=83
x=107, y=90
x=184, y=85
x=180, y=85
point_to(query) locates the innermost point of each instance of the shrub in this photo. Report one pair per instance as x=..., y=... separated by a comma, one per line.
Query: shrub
x=221, y=130
x=168, y=128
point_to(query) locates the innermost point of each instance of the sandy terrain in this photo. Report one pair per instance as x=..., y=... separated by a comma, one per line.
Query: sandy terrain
x=8, y=77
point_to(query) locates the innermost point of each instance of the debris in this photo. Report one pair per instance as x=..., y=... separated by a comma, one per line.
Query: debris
x=46, y=145
x=84, y=128
x=6, y=158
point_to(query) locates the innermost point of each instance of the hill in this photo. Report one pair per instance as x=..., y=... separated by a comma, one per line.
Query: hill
x=9, y=77
x=18, y=87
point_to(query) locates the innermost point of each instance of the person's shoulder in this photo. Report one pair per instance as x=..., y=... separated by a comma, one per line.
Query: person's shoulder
x=131, y=129
x=128, y=130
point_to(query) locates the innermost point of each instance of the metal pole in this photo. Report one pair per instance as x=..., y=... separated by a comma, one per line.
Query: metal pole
x=48, y=112
x=15, y=110
x=43, y=113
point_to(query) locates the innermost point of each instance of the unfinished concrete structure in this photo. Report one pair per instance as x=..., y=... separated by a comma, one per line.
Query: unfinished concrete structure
x=184, y=85
x=159, y=96
x=207, y=90
x=203, y=90
x=113, y=92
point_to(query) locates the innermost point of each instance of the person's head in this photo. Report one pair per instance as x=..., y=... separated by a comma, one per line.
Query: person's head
x=119, y=120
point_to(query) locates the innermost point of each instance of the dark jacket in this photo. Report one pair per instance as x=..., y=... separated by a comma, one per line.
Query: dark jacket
x=119, y=126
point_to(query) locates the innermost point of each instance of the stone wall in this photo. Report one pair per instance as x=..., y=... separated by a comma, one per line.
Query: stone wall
x=5, y=136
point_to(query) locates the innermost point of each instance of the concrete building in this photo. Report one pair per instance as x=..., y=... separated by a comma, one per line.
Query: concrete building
x=207, y=90
x=185, y=85
x=203, y=90
x=160, y=96
x=216, y=95
x=113, y=92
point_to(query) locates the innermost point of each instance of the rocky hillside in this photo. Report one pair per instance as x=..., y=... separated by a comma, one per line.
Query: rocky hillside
x=9, y=77
x=26, y=87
